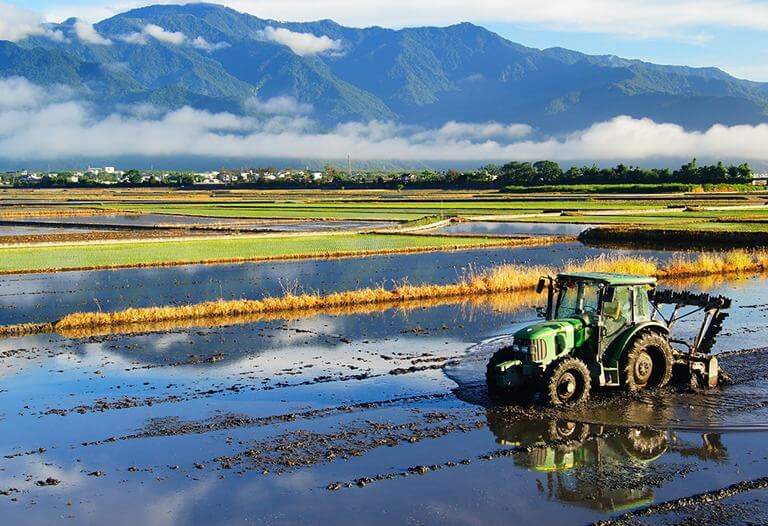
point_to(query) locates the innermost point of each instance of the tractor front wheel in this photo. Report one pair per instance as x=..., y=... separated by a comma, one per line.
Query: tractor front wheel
x=647, y=363
x=567, y=383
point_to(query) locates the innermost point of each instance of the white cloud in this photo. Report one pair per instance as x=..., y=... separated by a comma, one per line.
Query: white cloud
x=156, y=32
x=17, y=93
x=88, y=34
x=17, y=24
x=283, y=105
x=170, y=37
x=134, y=38
x=176, y=38
x=201, y=43
x=302, y=44
x=48, y=124
x=488, y=130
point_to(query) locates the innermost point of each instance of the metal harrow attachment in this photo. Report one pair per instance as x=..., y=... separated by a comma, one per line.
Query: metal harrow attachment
x=697, y=365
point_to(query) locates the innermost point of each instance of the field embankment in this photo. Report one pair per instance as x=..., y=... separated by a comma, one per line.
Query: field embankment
x=500, y=279
x=711, y=234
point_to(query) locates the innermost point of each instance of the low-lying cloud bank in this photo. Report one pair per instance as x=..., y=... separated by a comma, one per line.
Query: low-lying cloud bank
x=51, y=123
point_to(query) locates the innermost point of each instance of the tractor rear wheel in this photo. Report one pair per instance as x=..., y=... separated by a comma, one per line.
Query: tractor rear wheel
x=567, y=383
x=647, y=362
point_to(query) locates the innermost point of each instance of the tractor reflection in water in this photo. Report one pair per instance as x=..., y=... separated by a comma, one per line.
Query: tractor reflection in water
x=600, y=467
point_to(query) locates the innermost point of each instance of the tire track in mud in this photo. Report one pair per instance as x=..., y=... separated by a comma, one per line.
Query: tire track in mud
x=172, y=426
x=303, y=448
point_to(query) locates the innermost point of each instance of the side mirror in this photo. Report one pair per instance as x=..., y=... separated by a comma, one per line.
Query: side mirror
x=541, y=285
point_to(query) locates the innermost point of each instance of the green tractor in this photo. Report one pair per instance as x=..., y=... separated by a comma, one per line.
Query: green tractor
x=606, y=330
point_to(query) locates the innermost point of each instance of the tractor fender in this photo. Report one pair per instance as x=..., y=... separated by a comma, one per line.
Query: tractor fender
x=619, y=345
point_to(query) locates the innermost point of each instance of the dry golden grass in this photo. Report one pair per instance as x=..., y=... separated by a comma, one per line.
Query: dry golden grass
x=503, y=303
x=22, y=329
x=616, y=264
x=708, y=263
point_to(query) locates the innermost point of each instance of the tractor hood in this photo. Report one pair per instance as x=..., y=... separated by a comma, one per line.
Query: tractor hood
x=549, y=329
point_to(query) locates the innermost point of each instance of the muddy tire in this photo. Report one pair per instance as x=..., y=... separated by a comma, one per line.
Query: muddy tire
x=567, y=383
x=647, y=363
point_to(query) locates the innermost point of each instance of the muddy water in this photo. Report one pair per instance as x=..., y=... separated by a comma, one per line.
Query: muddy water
x=381, y=415
x=44, y=297
x=497, y=228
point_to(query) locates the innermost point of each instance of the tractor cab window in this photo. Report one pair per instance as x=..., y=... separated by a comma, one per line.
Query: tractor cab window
x=577, y=299
x=617, y=309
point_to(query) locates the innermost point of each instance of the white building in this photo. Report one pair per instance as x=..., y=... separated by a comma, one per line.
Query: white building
x=760, y=179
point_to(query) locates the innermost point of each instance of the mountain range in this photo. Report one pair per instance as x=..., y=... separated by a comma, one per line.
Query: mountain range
x=215, y=58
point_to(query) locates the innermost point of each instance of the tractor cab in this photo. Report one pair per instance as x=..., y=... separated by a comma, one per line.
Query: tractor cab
x=606, y=304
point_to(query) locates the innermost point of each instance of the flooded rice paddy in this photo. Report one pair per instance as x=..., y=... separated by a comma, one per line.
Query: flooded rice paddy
x=497, y=228
x=374, y=417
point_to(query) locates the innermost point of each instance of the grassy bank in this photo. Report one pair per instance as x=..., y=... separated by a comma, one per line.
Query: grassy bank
x=501, y=279
x=700, y=234
x=231, y=249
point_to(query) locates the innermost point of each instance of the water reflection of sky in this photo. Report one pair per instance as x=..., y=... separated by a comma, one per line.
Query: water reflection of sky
x=498, y=228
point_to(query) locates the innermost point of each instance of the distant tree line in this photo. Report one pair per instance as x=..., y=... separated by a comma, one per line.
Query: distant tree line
x=512, y=174
x=550, y=173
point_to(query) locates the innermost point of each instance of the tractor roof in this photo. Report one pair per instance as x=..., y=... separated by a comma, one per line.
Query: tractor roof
x=610, y=278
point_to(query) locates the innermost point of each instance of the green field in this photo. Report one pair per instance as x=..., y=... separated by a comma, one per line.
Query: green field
x=118, y=254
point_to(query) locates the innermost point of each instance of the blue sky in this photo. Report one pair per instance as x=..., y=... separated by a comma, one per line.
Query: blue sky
x=730, y=34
